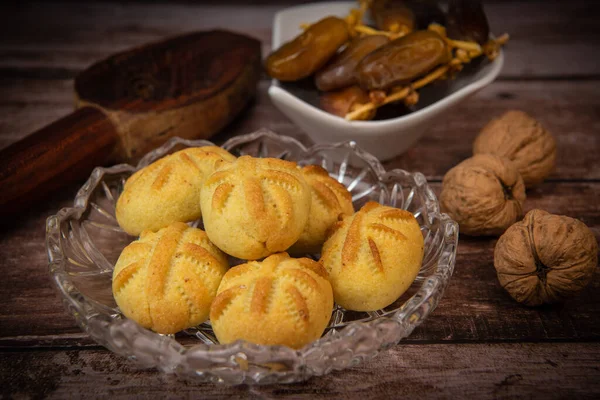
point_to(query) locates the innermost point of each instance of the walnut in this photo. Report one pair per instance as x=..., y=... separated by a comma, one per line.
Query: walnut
x=545, y=258
x=521, y=139
x=484, y=194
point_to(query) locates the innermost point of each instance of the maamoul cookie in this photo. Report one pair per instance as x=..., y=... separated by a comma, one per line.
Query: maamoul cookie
x=330, y=202
x=373, y=257
x=254, y=207
x=279, y=301
x=167, y=190
x=167, y=280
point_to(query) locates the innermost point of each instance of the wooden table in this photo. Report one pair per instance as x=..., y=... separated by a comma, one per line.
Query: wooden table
x=478, y=343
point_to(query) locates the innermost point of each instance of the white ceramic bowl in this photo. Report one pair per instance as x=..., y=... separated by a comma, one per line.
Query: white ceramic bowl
x=384, y=138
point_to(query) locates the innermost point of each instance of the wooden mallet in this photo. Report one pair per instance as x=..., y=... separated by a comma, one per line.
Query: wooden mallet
x=189, y=86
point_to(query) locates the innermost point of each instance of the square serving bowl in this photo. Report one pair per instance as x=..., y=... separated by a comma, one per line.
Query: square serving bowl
x=384, y=139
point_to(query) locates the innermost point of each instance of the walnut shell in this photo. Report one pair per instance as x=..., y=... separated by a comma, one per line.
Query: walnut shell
x=484, y=194
x=521, y=139
x=545, y=258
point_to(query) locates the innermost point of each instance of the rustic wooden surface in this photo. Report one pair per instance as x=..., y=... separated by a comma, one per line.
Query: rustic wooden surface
x=478, y=343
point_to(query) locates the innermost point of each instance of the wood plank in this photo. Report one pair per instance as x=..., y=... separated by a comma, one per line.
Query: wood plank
x=471, y=346
x=474, y=308
x=69, y=36
x=568, y=109
x=482, y=371
x=30, y=306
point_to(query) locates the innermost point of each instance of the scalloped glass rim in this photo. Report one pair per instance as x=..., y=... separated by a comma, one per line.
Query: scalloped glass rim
x=241, y=362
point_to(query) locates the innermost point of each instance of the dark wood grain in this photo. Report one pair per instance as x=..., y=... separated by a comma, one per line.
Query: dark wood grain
x=190, y=86
x=478, y=343
x=568, y=110
x=474, y=308
x=63, y=152
x=545, y=43
x=501, y=371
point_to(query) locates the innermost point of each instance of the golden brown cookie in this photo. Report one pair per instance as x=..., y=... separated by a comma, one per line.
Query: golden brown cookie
x=254, y=207
x=330, y=202
x=373, y=257
x=167, y=280
x=168, y=190
x=279, y=301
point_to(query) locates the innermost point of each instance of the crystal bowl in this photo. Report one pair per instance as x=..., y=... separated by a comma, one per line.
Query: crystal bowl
x=84, y=242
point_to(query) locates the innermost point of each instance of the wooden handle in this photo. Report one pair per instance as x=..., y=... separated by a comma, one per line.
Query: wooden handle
x=63, y=152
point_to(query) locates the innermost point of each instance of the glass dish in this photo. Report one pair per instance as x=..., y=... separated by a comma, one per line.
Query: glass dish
x=84, y=242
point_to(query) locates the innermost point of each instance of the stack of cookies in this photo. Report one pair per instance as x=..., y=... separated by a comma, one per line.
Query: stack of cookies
x=175, y=277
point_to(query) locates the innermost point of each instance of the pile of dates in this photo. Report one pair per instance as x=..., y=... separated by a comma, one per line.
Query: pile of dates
x=352, y=64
